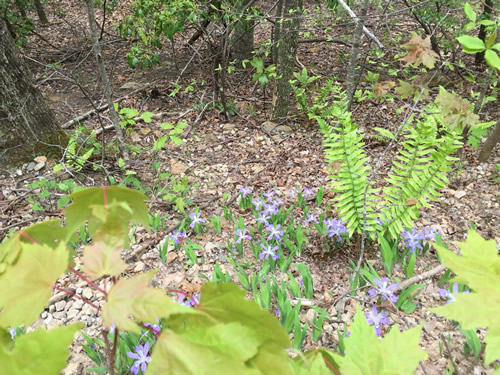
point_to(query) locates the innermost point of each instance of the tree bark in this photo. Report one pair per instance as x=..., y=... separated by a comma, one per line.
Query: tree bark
x=353, y=60
x=490, y=143
x=243, y=35
x=105, y=80
x=41, y=13
x=276, y=31
x=27, y=125
x=287, y=52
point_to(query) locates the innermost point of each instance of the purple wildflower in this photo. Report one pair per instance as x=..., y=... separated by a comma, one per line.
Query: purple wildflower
x=278, y=313
x=242, y=235
x=379, y=221
x=450, y=296
x=245, y=190
x=189, y=302
x=277, y=202
x=301, y=283
x=258, y=203
x=335, y=227
x=269, y=251
x=376, y=318
x=263, y=217
x=271, y=209
x=176, y=235
x=156, y=328
x=269, y=194
x=197, y=219
x=142, y=358
x=276, y=233
x=313, y=218
x=429, y=234
x=308, y=193
x=13, y=333
x=292, y=192
x=384, y=289
x=413, y=239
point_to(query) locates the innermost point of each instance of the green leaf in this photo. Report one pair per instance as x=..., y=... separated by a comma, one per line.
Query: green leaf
x=133, y=297
x=397, y=353
x=85, y=201
x=147, y=116
x=39, y=352
x=176, y=140
x=479, y=268
x=469, y=12
x=471, y=44
x=160, y=142
x=225, y=303
x=26, y=286
x=176, y=354
x=492, y=58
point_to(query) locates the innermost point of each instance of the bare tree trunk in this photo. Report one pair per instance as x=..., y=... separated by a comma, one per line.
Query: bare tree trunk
x=105, y=80
x=243, y=35
x=490, y=143
x=353, y=60
x=276, y=31
x=287, y=52
x=27, y=125
x=22, y=7
x=41, y=13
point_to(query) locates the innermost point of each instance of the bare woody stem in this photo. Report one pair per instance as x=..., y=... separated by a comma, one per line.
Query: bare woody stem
x=83, y=277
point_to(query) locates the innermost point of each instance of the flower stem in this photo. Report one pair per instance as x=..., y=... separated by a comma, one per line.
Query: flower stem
x=83, y=277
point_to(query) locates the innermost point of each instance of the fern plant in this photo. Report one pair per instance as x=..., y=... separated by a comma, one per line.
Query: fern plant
x=349, y=169
x=418, y=171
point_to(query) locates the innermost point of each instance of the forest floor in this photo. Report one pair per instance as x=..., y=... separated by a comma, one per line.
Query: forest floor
x=220, y=155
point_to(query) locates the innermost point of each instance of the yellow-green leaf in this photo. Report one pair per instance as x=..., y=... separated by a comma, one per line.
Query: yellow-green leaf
x=41, y=352
x=492, y=58
x=134, y=298
x=26, y=286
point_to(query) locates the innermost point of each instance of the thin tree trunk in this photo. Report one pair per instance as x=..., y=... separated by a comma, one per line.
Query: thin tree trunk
x=276, y=31
x=490, y=143
x=105, y=80
x=243, y=35
x=353, y=60
x=28, y=127
x=287, y=52
x=22, y=7
x=41, y=13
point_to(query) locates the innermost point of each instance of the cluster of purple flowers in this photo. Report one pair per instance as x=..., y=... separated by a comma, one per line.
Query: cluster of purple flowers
x=413, y=240
x=335, y=227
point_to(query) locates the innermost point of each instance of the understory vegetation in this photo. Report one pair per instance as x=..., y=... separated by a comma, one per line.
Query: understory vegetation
x=129, y=188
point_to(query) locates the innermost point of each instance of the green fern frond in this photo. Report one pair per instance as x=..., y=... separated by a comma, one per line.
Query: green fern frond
x=417, y=173
x=344, y=149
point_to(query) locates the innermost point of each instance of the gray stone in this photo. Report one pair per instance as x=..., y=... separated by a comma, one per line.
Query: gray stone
x=59, y=315
x=79, y=290
x=139, y=267
x=72, y=314
x=284, y=129
x=460, y=194
x=52, y=308
x=60, y=305
x=131, y=85
x=30, y=166
x=228, y=126
x=87, y=293
x=44, y=315
x=39, y=166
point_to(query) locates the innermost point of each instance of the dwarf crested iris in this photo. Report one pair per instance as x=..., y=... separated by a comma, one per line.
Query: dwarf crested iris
x=335, y=227
x=268, y=194
x=176, y=234
x=242, y=235
x=245, y=191
x=269, y=251
x=313, y=218
x=258, y=203
x=384, y=289
x=376, y=318
x=142, y=358
x=413, y=240
x=263, y=217
x=308, y=193
x=450, y=297
x=276, y=233
x=197, y=219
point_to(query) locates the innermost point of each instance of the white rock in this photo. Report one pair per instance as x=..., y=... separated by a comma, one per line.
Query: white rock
x=87, y=293
x=139, y=267
x=60, y=305
x=460, y=194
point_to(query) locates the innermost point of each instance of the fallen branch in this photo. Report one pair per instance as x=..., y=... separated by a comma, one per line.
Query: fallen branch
x=421, y=277
x=86, y=115
x=365, y=30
